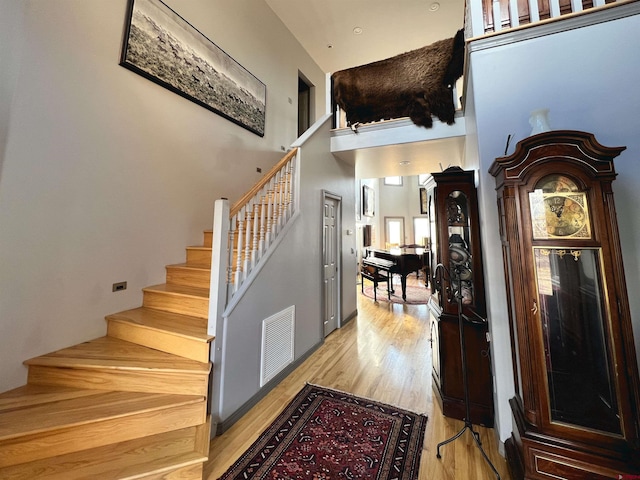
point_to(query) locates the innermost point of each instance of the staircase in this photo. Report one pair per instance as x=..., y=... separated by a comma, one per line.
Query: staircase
x=130, y=405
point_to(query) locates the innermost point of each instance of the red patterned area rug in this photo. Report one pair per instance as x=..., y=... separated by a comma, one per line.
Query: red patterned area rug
x=416, y=294
x=326, y=434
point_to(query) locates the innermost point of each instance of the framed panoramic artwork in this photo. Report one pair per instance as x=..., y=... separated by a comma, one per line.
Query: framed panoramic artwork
x=163, y=47
x=368, y=201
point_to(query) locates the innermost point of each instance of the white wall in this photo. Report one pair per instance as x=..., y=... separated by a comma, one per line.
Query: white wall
x=396, y=201
x=106, y=176
x=588, y=79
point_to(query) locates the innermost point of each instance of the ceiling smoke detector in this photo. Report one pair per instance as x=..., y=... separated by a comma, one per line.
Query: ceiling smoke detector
x=357, y=30
x=434, y=7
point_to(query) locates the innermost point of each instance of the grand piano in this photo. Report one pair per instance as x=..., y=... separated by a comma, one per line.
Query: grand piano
x=402, y=261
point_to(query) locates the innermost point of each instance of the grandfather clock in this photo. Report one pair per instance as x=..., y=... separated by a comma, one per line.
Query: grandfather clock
x=458, y=270
x=576, y=374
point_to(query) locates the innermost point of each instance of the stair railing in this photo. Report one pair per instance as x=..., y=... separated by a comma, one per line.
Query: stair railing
x=257, y=218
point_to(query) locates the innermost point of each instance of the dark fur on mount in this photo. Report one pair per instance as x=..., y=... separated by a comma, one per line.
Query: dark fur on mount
x=415, y=84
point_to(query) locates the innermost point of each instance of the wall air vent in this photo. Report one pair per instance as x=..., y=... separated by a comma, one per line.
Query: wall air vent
x=277, y=343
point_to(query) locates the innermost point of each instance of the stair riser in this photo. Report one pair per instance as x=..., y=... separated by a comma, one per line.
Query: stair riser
x=163, y=456
x=183, y=304
x=160, y=340
x=120, y=380
x=198, y=257
x=189, y=472
x=100, y=433
x=208, y=237
x=188, y=277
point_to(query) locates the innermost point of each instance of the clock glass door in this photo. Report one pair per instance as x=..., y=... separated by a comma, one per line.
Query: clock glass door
x=460, y=246
x=576, y=348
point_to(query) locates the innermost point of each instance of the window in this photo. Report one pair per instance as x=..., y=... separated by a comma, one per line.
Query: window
x=421, y=231
x=396, y=181
x=394, y=231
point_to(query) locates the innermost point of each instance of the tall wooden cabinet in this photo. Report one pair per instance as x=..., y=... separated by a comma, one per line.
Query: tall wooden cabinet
x=458, y=269
x=577, y=396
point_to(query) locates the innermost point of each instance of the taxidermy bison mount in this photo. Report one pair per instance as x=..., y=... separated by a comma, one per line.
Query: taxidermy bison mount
x=415, y=84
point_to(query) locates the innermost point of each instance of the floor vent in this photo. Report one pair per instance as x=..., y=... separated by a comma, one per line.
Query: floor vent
x=277, y=343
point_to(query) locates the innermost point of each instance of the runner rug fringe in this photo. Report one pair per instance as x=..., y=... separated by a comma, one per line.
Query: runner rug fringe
x=328, y=434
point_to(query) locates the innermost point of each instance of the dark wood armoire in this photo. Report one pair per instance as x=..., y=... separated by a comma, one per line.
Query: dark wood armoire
x=457, y=269
x=577, y=397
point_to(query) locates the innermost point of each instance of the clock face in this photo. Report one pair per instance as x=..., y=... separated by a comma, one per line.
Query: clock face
x=559, y=215
x=564, y=217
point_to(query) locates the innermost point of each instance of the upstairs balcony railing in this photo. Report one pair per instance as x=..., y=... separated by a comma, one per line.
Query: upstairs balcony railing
x=491, y=16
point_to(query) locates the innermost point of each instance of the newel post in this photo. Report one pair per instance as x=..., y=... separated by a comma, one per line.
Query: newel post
x=219, y=261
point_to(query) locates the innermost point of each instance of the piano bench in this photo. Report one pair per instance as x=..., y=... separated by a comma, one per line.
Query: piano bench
x=374, y=275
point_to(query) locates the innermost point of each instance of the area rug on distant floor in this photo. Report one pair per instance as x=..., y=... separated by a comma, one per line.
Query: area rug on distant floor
x=327, y=434
x=416, y=294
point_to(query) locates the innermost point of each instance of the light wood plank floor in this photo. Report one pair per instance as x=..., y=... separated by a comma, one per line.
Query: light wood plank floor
x=384, y=354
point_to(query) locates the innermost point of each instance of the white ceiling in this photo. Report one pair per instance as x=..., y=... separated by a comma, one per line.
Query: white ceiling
x=325, y=28
x=389, y=27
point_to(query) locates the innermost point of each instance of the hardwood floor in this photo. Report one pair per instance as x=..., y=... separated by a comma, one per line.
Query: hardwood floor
x=383, y=354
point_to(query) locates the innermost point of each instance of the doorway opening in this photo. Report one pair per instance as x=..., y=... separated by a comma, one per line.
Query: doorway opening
x=305, y=100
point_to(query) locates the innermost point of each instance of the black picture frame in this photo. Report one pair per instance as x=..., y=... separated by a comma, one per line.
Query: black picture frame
x=368, y=201
x=424, y=205
x=163, y=47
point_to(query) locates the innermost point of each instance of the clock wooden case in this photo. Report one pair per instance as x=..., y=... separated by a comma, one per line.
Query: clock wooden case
x=576, y=373
x=456, y=244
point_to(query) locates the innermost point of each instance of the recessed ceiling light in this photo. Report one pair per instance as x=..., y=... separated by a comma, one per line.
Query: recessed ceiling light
x=434, y=7
x=405, y=162
x=357, y=30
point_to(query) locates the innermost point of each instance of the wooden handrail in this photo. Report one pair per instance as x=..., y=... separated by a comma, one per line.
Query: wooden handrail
x=258, y=186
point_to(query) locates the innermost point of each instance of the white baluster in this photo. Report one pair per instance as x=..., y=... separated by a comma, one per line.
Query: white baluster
x=263, y=227
x=286, y=185
x=497, y=16
x=247, y=243
x=534, y=12
x=576, y=5
x=283, y=199
x=255, y=233
x=270, y=197
x=514, y=15
x=276, y=204
x=232, y=236
x=238, y=271
x=291, y=185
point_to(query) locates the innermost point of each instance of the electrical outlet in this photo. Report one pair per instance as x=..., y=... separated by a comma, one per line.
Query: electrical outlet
x=117, y=287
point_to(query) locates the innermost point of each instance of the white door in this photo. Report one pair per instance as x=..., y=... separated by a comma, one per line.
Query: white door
x=330, y=261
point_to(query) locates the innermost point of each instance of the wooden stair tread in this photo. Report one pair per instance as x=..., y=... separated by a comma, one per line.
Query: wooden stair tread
x=44, y=411
x=27, y=395
x=181, y=325
x=122, y=461
x=190, y=266
x=179, y=290
x=112, y=353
